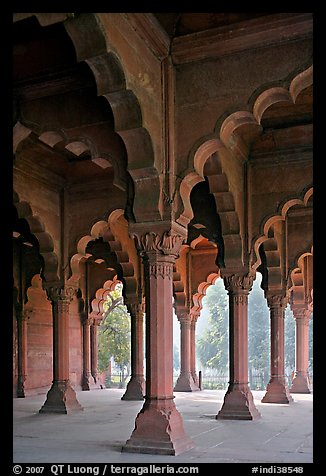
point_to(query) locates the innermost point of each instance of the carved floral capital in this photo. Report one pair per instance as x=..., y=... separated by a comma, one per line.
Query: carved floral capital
x=166, y=243
x=58, y=292
x=235, y=282
x=276, y=301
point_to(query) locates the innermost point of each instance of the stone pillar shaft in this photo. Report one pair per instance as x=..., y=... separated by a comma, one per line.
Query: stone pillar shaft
x=94, y=350
x=277, y=390
x=87, y=377
x=193, y=350
x=158, y=426
x=185, y=382
x=136, y=387
x=61, y=397
x=300, y=383
x=238, y=401
x=22, y=352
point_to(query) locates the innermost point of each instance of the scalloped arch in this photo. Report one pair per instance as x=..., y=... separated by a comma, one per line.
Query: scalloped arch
x=250, y=121
x=270, y=221
x=111, y=84
x=208, y=163
x=101, y=229
x=229, y=137
x=202, y=290
x=46, y=245
x=100, y=297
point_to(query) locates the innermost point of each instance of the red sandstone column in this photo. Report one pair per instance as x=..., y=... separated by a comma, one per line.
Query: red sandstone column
x=300, y=383
x=22, y=317
x=238, y=401
x=61, y=397
x=136, y=387
x=193, y=372
x=87, y=382
x=94, y=353
x=277, y=390
x=185, y=382
x=159, y=426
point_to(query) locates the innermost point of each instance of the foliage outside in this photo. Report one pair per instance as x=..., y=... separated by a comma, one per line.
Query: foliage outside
x=114, y=336
x=212, y=345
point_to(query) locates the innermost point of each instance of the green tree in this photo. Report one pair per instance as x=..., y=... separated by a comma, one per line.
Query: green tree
x=212, y=347
x=114, y=334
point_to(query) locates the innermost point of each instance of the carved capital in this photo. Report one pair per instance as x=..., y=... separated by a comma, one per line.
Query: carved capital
x=57, y=292
x=184, y=320
x=136, y=310
x=299, y=312
x=166, y=243
x=235, y=282
x=276, y=301
x=86, y=319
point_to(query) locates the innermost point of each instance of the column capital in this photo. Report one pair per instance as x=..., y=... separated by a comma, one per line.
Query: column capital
x=278, y=300
x=163, y=238
x=59, y=292
x=87, y=320
x=238, y=283
x=184, y=317
x=136, y=309
x=299, y=312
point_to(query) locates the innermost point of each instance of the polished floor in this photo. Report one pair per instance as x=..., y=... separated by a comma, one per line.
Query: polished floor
x=284, y=433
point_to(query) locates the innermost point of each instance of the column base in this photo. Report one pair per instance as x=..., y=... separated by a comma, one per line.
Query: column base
x=185, y=383
x=61, y=398
x=88, y=383
x=238, y=404
x=277, y=392
x=158, y=430
x=300, y=383
x=135, y=389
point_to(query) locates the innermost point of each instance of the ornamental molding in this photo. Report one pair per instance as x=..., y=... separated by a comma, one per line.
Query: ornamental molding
x=162, y=270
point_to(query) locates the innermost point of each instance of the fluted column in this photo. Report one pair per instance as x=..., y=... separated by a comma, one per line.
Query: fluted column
x=277, y=390
x=185, y=382
x=158, y=426
x=238, y=401
x=136, y=386
x=61, y=397
x=193, y=323
x=300, y=382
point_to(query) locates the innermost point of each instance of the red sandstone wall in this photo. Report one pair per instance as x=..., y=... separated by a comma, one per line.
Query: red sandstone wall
x=212, y=88
x=89, y=204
